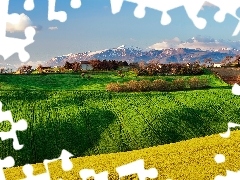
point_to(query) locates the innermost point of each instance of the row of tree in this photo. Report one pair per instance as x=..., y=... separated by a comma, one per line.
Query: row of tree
x=107, y=65
x=97, y=65
x=154, y=68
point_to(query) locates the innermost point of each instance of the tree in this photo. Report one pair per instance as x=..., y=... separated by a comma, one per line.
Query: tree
x=76, y=66
x=25, y=69
x=39, y=68
x=68, y=65
x=227, y=60
x=141, y=65
x=237, y=60
x=96, y=64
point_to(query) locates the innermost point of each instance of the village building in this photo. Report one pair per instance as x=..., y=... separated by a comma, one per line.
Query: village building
x=85, y=65
x=218, y=65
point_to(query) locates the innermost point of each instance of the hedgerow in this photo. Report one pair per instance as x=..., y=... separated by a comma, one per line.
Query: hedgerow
x=158, y=85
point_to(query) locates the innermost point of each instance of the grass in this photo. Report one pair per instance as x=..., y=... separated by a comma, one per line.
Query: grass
x=95, y=122
x=98, y=81
x=65, y=111
x=192, y=159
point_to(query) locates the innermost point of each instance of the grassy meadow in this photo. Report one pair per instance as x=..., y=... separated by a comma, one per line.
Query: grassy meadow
x=74, y=81
x=66, y=111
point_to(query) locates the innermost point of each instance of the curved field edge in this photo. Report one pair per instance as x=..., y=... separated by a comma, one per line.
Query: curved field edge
x=111, y=122
x=191, y=159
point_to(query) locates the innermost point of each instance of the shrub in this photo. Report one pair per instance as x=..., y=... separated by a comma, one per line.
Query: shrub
x=193, y=82
x=160, y=85
x=132, y=86
x=116, y=87
x=145, y=85
x=157, y=85
x=178, y=84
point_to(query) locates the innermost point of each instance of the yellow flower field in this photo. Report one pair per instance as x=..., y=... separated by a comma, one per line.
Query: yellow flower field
x=192, y=159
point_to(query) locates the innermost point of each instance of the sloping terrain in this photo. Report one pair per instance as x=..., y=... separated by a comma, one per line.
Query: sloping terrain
x=192, y=159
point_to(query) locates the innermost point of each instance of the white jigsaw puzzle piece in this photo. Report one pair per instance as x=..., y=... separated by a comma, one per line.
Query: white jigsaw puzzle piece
x=8, y=45
x=12, y=134
x=66, y=166
x=6, y=163
x=29, y=5
x=227, y=133
x=87, y=173
x=231, y=175
x=227, y=7
x=52, y=14
x=137, y=167
x=236, y=89
x=192, y=9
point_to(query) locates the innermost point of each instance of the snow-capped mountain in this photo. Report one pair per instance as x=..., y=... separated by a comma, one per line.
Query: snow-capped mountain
x=135, y=54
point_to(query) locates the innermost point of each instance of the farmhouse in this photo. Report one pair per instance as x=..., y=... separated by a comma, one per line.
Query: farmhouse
x=217, y=65
x=85, y=65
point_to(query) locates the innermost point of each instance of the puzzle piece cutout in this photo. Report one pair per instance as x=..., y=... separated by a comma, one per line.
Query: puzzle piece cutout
x=192, y=9
x=230, y=176
x=227, y=7
x=137, y=167
x=8, y=45
x=52, y=14
x=230, y=125
x=66, y=166
x=236, y=89
x=6, y=163
x=21, y=125
x=87, y=173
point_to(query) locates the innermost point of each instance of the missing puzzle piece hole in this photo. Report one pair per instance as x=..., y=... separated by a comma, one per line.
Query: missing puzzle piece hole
x=219, y=17
x=7, y=162
x=24, y=56
x=29, y=5
x=166, y=19
x=28, y=170
x=13, y=18
x=22, y=125
x=75, y=4
x=200, y=23
x=29, y=33
x=139, y=11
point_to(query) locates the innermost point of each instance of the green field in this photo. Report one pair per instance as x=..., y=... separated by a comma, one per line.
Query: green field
x=66, y=116
x=98, y=81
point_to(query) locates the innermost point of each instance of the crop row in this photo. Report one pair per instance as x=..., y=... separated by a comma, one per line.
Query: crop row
x=88, y=123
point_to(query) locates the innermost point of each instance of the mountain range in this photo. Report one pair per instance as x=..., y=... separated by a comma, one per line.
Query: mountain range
x=135, y=54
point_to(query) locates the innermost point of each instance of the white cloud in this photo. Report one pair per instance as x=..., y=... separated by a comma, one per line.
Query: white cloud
x=204, y=43
x=23, y=23
x=53, y=28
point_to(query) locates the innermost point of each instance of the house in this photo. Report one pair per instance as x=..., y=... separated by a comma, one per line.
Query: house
x=218, y=65
x=57, y=66
x=85, y=65
x=42, y=69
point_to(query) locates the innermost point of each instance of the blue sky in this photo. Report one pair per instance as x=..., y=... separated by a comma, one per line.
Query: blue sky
x=94, y=27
